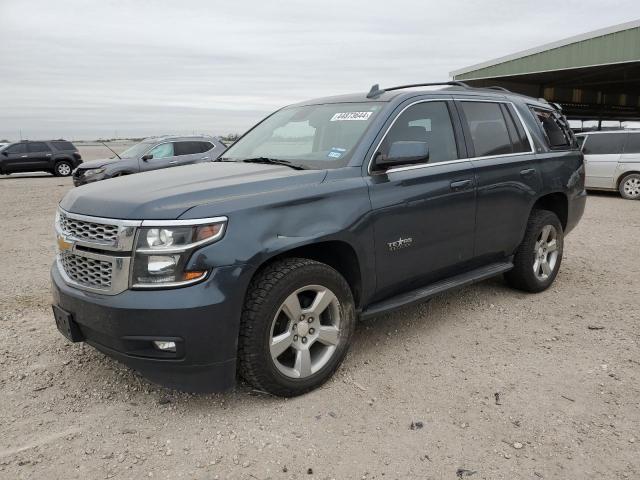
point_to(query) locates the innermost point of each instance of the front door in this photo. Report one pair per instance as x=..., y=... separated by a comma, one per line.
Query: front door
x=602, y=153
x=424, y=214
x=15, y=158
x=163, y=156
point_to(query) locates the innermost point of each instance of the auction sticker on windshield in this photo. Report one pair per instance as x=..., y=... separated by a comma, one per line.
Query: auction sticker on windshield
x=339, y=117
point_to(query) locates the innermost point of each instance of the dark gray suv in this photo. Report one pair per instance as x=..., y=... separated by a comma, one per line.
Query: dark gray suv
x=151, y=154
x=325, y=211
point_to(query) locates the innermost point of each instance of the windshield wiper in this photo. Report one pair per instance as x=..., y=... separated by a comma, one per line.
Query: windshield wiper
x=273, y=161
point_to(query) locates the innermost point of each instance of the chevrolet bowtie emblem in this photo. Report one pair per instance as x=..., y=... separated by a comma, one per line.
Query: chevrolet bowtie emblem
x=64, y=245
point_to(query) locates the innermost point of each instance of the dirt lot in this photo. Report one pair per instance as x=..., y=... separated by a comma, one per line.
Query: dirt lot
x=506, y=385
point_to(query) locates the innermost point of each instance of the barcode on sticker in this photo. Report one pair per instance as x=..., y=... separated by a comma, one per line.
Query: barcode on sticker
x=339, y=117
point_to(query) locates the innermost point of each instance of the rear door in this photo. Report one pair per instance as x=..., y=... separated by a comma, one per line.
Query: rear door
x=507, y=175
x=191, y=151
x=602, y=152
x=39, y=156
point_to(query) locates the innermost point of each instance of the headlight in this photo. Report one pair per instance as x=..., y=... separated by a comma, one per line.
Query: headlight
x=164, y=248
x=94, y=171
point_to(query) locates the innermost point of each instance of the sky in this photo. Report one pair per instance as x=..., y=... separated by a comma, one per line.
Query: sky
x=87, y=69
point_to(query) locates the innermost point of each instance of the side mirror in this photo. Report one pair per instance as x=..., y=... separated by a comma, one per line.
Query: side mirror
x=146, y=157
x=403, y=153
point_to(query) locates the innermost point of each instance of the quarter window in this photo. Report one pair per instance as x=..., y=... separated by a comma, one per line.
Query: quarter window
x=633, y=143
x=428, y=122
x=556, y=131
x=488, y=128
x=604, y=144
x=36, y=147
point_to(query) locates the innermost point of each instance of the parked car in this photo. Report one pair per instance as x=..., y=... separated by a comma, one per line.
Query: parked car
x=151, y=154
x=612, y=161
x=58, y=157
x=325, y=211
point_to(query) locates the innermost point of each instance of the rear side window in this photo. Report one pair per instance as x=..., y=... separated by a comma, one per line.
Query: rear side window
x=36, y=147
x=63, y=145
x=189, y=148
x=633, y=143
x=17, y=148
x=488, y=128
x=557, y=133
x=604, y=144
x=205, y=146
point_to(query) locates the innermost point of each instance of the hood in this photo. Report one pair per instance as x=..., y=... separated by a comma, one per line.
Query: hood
x=168, y=193
x=98, y=163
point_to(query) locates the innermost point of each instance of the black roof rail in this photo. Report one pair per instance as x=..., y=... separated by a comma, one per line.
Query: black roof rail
x=377, y=91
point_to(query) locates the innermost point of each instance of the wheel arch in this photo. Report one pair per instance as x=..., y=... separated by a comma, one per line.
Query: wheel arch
x=623, y=175
x=338, y=254
x=556, y=202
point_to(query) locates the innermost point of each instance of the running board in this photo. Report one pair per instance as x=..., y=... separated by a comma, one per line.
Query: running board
x=424, y=293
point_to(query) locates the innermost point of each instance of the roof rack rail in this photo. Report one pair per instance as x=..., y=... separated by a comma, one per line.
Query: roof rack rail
x=496, y=87
x=376, y=91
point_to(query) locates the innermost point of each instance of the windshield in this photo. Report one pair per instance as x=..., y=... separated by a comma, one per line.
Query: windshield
x=137, y=150
x=311, y=136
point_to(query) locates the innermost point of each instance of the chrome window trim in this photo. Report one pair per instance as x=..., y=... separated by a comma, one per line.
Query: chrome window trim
x=459, y=160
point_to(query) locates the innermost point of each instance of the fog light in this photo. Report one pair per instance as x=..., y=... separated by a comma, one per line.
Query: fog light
x=165, y=346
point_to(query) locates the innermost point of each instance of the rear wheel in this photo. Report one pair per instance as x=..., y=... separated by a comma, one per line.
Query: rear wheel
x=537, y=260
x=296, y=327
x=629, y=187
x=62, y=169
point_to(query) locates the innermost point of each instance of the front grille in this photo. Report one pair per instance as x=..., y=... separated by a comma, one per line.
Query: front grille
x=90, y=231
x=87, y=271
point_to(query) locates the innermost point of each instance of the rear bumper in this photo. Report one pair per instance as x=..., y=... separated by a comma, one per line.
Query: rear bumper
x=202, y=319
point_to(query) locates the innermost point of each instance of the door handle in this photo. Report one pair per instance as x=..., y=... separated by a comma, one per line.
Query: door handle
x=48, y=154
x=24, y=156
x=527, y=172
x=461, y=185
x=173, y=162
x=204, y=158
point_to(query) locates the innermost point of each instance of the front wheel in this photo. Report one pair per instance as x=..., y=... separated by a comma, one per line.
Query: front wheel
x=296, y=326
x=629, y=187
x=537, y=260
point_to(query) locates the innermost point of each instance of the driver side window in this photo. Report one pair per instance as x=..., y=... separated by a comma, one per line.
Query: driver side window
x=163, y=150
x=428, y=122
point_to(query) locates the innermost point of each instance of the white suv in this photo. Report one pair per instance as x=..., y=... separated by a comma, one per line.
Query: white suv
x=612, y=161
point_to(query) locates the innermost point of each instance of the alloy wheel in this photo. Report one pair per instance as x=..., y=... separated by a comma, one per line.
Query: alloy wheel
x=545, y=252
x=64, y=169
x=305, y=331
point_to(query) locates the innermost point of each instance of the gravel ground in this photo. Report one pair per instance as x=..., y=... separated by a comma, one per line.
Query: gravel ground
x=480, y=383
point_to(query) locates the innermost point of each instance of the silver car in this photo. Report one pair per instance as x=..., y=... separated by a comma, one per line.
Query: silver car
x=151, y=154
x=612, y=161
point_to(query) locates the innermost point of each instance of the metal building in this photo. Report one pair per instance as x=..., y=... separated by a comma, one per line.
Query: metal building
x=593, y=76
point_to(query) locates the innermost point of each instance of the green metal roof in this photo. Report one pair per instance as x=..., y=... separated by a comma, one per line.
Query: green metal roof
x=612, y=45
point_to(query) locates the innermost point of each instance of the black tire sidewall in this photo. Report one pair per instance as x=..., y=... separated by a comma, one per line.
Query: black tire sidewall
x=311, y=274
x=522, y=275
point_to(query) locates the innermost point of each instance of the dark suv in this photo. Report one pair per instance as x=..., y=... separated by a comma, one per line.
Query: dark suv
x=325, y=211
x=59, y=157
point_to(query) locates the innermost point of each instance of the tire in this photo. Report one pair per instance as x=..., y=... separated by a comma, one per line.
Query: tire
x=62, y=169
x=529, y=273
x=283, y=368
x=629, y=187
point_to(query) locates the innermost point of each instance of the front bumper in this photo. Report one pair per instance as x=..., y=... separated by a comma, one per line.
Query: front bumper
x=203, y=319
